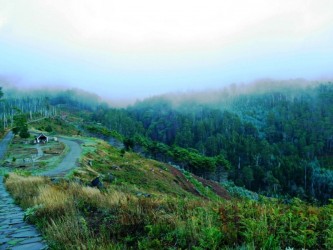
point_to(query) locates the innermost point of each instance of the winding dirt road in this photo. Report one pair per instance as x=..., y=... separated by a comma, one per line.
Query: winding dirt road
x=69, y=161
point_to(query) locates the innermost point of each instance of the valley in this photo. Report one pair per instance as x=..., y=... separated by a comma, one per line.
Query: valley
x=133, y=178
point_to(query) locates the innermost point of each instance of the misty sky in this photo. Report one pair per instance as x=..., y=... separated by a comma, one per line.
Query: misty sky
x=133, y=49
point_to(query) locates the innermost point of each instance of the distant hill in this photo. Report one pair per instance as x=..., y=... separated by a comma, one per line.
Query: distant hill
x=274, y=138
x=179, y=175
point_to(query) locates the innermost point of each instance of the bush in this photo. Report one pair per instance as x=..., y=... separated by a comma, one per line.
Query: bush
x=24, y=133
x=48, y=128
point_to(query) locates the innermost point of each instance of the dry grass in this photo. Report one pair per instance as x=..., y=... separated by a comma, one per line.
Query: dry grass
x=59, y=208
x=56, y=148
x=25, y=189
x=54, y=201
x=73, y=233
x=77, y=216
x=82, y=217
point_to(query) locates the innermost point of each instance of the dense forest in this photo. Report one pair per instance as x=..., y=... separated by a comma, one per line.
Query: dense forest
x=276, y=140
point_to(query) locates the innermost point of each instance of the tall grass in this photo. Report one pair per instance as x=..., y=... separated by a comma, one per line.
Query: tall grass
x=25, y=189
x=75, y=216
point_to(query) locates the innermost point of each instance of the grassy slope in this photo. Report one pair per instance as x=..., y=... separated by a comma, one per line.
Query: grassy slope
x=113, y=215
x=180, y=212
x=132, y=172
x=59, y=125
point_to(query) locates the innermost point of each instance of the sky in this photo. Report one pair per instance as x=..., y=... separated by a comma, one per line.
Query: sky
x=126, y=50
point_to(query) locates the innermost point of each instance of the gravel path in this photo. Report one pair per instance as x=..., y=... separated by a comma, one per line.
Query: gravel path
x=4, y=143
x=15, y=234
x=39, y=151
x=69, y=162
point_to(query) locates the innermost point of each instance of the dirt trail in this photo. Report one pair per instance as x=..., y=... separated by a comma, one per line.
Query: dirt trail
x=4, y=143
x=69, y=162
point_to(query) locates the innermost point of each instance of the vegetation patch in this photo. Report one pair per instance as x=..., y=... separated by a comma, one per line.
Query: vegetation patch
x=77, y=216
x=56, y=125
x=23, y=154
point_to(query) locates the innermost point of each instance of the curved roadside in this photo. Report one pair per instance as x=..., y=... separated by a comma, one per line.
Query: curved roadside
x=4, y=143
x=68, y=162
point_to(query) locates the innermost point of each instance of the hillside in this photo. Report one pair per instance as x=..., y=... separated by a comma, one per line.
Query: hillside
x=145, y=204
x=274, y=138
x=277, y=142
x=253, y=170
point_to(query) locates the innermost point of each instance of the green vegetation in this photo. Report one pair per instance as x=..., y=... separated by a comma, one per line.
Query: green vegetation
x=56, y=126
x=276, y=142
x=194, y=191
x=23, y=154
x=120, y=215
x=21, y=125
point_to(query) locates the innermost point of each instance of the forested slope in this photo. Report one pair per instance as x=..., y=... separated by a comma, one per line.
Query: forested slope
x=274, y=139
x=276, y=142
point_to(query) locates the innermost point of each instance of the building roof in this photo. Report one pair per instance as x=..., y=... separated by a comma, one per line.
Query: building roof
x=42, y=136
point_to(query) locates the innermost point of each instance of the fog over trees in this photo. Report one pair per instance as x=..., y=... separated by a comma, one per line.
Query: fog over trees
x=275, y=138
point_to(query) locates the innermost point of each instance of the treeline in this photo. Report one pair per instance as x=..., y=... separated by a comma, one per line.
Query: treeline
x=275, y=142
x=32, y=105
x=16, y=111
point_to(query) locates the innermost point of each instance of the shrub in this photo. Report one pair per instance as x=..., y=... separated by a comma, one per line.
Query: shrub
x=24, y=133
x=48, y=128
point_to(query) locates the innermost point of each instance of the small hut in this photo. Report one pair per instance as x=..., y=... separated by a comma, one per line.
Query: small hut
x=42, y=139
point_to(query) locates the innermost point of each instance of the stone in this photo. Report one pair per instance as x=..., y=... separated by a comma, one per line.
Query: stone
x=7, y=231
x=55, y=180
x=110, y=178
x=30, y=246
x=15, y=221
x=143, y=194
x=32, y=240
x=25, y=234
x=11, y=216
x=13, y=242
x=2, y=228
x=96, y=183
x=3, y=240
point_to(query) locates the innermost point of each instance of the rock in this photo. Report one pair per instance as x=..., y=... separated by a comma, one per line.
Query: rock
x=110, y=178
x=25, y=234
x=55, y=180
x=143, y=194
x=97, y=183
x=115, y=167
x=77, y=180
x=37, y=245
